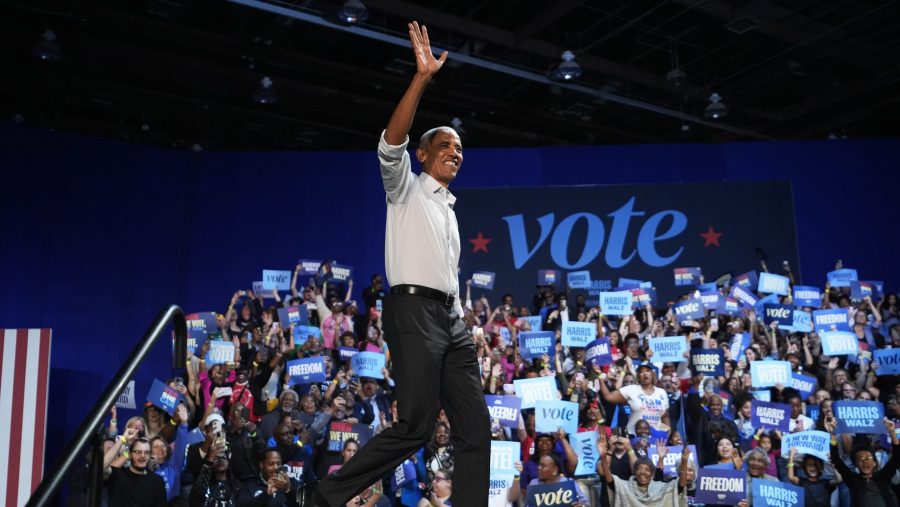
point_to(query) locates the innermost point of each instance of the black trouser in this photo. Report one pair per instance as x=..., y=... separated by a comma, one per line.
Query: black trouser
x=433, y=359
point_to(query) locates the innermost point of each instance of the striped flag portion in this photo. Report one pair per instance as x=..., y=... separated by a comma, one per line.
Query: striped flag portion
x=24, y=380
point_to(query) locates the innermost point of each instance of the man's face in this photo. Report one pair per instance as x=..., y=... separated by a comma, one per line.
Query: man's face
x=270, y=464
x=288, y=402
x=369, y=387
x=140, y=455
x=283, y=435
x=442, y=158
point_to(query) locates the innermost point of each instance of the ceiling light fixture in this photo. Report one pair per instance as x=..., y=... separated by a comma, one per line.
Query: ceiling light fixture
x=568, y=69
x=47, y=49
x=457, y=125
x=353, y=11
x=265, y=94
x=716, y=109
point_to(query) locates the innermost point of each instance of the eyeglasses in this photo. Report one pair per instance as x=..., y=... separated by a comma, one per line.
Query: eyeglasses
x=863, y=459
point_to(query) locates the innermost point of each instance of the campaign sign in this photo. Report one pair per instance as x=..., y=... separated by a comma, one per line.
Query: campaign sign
x=505, y=409
x=744, y=296
x=309, y=267
x=668, y=349
x=806, y=384
x=760, y=307
x=579, y=279
x=773, y=416
x=578, y=334
x=195, y=339
x=842, y=277
x=341, y=273
x=483, y=279
x=782, y=314
x=773, y=284
x=550, y=416
x=347, y=353
x=710, y=300
x=877, y=288
x=597, y=352
x=729, y=306
x=532, y=390
x=707, y=287
x=585, y=446
x=505, y=336
x=839, y=343
x=504, y=456
x=403, y=474
x=831, y=320
x=761, y=395
x=307, y=370
x=164, y=397
x=687, y=276
x=629, y=283
x=340, y=431
x=302, y=333
x=556, y=494
x=802, y=322
x=888, y=361
x=748, y=280
x=534, y=321
x=739, y=343
x=776, y=494
x=805, y=295
x=691, y=309
x=710, y=362
x=202, y=322
x=548, y=277
x=499, y=488
x=533, y=344
x=672, y=456
x=296, y=315
x=720, y=486
x=219, y=352
x=616, y=303
x=127, y=399
x=807, y=442
x=368, y=364
x=812, y=411
x=276, y=279
x=859, y=290
x=643, y=297
x=859, y=417
x=767, y=373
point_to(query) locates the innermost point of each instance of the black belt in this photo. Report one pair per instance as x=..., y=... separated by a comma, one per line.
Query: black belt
x=426, y=292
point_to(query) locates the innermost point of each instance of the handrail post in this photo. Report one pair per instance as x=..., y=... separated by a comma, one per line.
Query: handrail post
x=95, y=486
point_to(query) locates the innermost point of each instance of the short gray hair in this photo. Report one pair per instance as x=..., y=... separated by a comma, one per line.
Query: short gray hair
x=428, y=136
x=759, y=454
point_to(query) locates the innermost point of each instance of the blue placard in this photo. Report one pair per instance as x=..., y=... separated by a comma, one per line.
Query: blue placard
x=549, y=416
x=642, y=297
x=839, y=343
x=219, y=352
x=744, y=296
x=806, y=384
x=403, y=474
x=505, y=336
x=341, y=431
x=557, y=494
x=532, y=345
x=888, y=361
x=532, y=390
x=773, y=416
x=195, y=339
x=597, y=352
x=483, y=280
x=504, y=456
x=812, y=411
x=773, y=284
x=782, y=314
x=309, y=267
x=548, y=277
x=802, y=321
x=720, y=486
x=673, y=455
x=859, y=417
x=707, y=287
x=877, y=288
x=805, y=295
x=710, y=300
x=691, y=309
x=534, y=321
x=616, y=303
x=347, y=353
x=306, y=371
x=276, y=279
x=687, y=276
x=831, y=320
x=776, y=494
x=842, y=277
x=302, y=334
x=859, y=290
x=164, y=397
x=762, y=394
x=710, y=362
x=293, y=315
x=807, y=442
x=579, y=279
x=585, y=446
x=761, y=303
x=505, y=409
x=748, y=280
x=368, y=364
x=668, y=349
x=629, y=283
x=341, y=273
x=729, y=306
x=578, y=334
x=739, y=343
x=767, y=373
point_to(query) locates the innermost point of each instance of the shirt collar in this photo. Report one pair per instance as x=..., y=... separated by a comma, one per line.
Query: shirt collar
x=433, y=187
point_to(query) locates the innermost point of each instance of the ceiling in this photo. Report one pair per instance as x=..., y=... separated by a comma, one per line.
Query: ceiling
x=181, y=73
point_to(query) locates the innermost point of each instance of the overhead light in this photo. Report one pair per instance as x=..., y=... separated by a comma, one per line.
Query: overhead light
x=568, y=69
x=716, y=109
x=457, y=125
x=265, y=94
x=47, y=49
x=676, y=76
x=353, y=11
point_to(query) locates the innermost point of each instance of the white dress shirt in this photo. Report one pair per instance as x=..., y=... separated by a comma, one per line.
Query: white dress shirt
x=421, y=243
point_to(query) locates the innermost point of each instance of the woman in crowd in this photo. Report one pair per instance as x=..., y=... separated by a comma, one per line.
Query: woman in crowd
x=816, y=490
x=550, y=471
x=439, y=452
x=641, y=490
x=441, y=490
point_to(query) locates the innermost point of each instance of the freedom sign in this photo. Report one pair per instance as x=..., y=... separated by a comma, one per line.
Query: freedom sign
x=164, y=397
x=534, y=344
x=805, y=295
x=808, y=442
x=532, y=390
x=307, y=371
x=578, y=334
x=710, y=300
x=773, y=284
x=806, y=384
x=776, y=494
x=550, y=416
x=831, y=320
x=483, y=279
x=773, y=416
x=668, y=349
x=403, y=474
x=505, y=409
x=616, y=303
x=842, y=277
x=709, y=362
x=673, y=455
x=691, y=309
x=597, y=352
x=839, y=343
x=579, y=280
x=556, y=494
x=368, y=364
x=720, y=486
x=687, y=276
x=744, y=296
x=503, y=457
x=859, y=417
x=585, y=446
x=276, y=279
x=767, y=373
x=888, y=361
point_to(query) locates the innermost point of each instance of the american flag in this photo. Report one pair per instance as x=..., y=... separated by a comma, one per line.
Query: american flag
x=24, y=380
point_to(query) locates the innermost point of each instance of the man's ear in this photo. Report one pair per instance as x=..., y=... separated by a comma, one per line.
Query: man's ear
x=420, y=155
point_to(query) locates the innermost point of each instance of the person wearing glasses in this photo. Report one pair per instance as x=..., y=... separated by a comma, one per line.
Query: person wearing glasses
x=134, y=485
x=869, y=486
x=441, y=490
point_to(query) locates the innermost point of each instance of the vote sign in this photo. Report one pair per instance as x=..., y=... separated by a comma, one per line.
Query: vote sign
x=557, y=494
x=503, y=457
x=720, y=486
x=219, y=352
x=767, y=373
x=691, y=309
x=585, y=446
x=859, y=417
x=536, y=389
x=276, y=279
x=773, y=284
x=774, y=416
x=888, y=361
x=839, y=343
x=578, y=334
x=550, y=416
x=782, y=314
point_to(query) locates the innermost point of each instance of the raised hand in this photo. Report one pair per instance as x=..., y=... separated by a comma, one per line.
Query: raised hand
x=426, y=63
x=661, y=449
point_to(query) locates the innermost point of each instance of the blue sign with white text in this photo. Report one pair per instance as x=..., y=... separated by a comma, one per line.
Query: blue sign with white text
x=806, y=384
x=744, y=296
x=598, y=352
x=687, y=276
x=534, y=344
x=773, y=284
x=579, y=279
x=483, y=279
x=164, y=397
x=306, y=371
x=842, y=277
x=859, y=417
x=505, y=409
x=710, y=362
x=805, y=295
x=720, y=486
x=772, y=416
x=782, y=314
x=690, y=309
x=831, y=320
x=768, y=493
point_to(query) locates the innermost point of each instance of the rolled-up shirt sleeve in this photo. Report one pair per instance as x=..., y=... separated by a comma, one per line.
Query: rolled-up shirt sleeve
x=396, y=170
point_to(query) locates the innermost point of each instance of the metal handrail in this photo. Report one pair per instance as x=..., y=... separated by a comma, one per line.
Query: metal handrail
x=90, y=427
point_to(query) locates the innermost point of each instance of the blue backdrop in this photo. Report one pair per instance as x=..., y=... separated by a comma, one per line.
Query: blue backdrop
x=97, y=235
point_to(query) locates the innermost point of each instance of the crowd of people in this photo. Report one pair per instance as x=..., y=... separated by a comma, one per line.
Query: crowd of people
x=246, y=435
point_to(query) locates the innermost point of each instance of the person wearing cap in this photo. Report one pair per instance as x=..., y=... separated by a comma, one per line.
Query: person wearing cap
x=216, y=484
x=212, y=426
x=647, y=401
x=433, y=355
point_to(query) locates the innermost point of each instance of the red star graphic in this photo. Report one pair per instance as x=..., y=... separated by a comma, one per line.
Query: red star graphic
x=711, y=237
x=480, y=243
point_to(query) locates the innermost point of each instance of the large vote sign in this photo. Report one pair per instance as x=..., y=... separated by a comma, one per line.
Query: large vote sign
x=776, y=494
x=807, y=442
x=504, y=408
x=859, y=417
x=504, y=456
x=550, y=416
x=534, y=344
x=306, y=371
x=888, y=361
x=773, y=284
x=720, y=486
x=690, y=309
x=771, y=416
x=782, y=314
x=219, y=352
x=532, y=390
x=839, y=343
x=578, y=334
x=276, y=279
x=585, y=446
x=767, y=373
x=668, y=349
x=641, y=232
x=557, y=494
